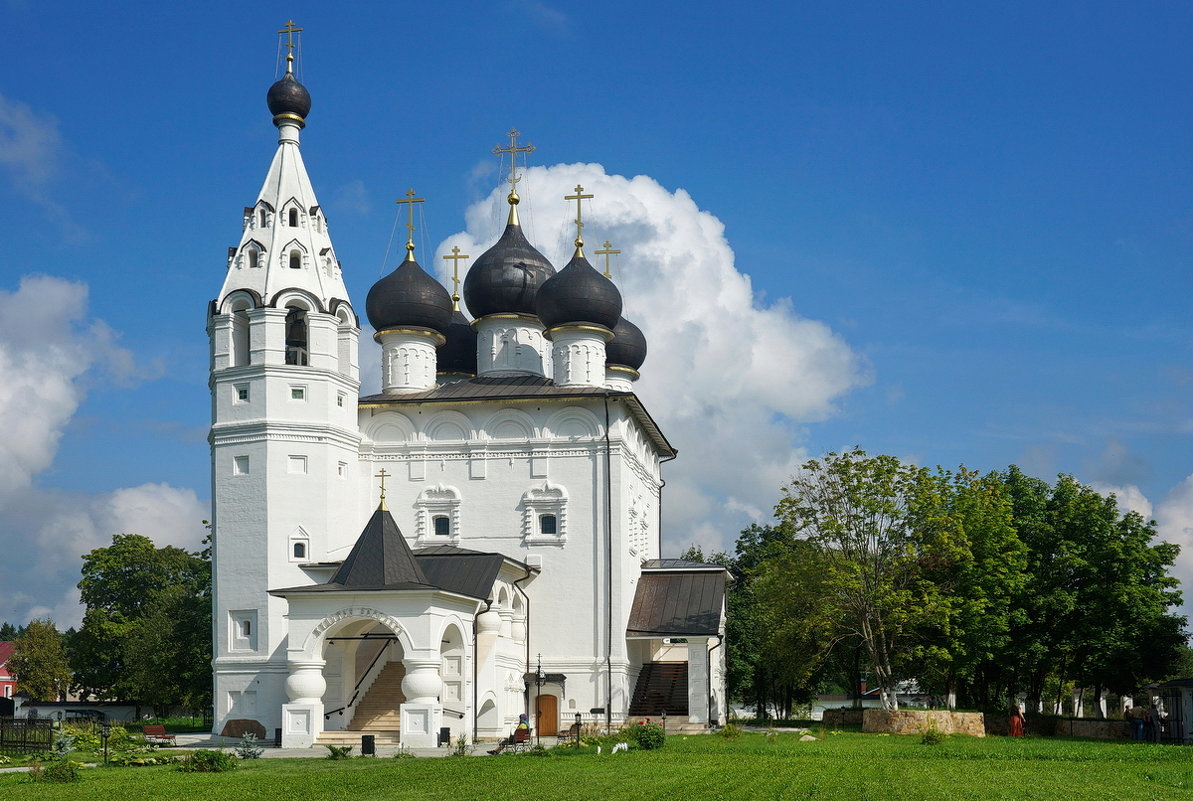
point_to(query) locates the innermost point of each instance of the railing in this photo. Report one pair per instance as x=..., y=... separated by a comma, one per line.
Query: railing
x=25, y=736
x=356, y=690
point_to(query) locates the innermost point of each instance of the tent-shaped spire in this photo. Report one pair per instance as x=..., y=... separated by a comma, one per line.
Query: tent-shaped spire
x=381, y=559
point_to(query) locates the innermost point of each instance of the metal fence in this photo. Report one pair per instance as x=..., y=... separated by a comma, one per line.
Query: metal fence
x=25, y=736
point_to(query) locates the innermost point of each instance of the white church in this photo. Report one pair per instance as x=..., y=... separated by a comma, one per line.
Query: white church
x=479, y=540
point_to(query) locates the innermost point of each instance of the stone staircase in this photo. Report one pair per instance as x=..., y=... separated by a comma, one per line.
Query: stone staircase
x=377, y=713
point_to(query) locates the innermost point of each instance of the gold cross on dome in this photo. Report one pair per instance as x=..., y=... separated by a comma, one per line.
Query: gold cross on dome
x=607, y=252
x=290, y=30
x=410, y=201
x=455, y=256
x=579, y=197
x=513, y=150
x=383, y=475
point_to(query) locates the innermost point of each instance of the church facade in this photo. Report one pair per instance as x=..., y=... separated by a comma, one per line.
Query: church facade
x=479, y=540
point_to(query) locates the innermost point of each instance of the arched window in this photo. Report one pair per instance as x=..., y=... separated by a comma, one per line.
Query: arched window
x=246, y=628
x=240, y=338
x=293, y=218
x=295, y=260
x=253, y=257
x=443, y=526
x=300, y=550
x=262, y=218
x=296, y=337
x=548, y=524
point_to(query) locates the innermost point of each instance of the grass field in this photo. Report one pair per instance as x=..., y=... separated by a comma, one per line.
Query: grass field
x=841, y=766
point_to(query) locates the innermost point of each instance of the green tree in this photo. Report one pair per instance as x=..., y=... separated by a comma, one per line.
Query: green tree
x=146, y=634
x=8, y=632
x=39, y=661
x=875, y=523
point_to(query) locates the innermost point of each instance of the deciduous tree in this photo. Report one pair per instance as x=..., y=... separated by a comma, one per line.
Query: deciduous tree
x=39, y=661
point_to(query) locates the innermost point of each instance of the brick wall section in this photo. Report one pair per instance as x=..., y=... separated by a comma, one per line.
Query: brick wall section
x=916, y=721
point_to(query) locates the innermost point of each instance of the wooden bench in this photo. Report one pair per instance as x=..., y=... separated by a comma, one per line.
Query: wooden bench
x=157, y=735
x=519, y=741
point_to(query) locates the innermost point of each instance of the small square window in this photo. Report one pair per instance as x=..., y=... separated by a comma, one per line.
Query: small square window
x=443, y=526
x=297, y=465
x=300, y=550
x=297, y=393
x=342, y=470
x=242, y=393
x=240, y=465
x=548, y=524
x=340, y=399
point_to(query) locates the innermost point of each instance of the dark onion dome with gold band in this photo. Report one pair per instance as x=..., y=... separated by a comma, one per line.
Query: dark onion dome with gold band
x=506, y=278
x=289, y=98
x=409, y=298
x=579, y=294
x=628, y=348
x=458, y=354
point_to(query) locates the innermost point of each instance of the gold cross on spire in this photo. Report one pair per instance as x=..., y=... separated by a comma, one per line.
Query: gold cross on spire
x=607, y=252
x=382, y=475
x=513, y=150
x=410, y=201
x=455, y=256
x=579, y=197
x=290, y=30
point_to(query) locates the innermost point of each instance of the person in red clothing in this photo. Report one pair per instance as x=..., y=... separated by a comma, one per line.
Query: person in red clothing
x=1017, y=721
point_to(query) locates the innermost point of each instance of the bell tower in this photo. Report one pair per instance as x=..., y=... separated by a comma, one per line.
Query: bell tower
x=284, y=440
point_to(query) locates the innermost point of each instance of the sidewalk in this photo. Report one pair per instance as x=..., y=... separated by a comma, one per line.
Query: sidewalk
x=190, y=741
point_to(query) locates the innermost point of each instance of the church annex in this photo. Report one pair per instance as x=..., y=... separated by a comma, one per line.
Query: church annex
x=479, y=540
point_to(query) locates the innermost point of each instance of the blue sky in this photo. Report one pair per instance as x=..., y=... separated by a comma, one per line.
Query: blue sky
x=964, y=231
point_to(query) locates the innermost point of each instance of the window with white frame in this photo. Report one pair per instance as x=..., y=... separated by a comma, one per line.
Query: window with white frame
x=435, y=504
x=240, y=465
x=544, y=515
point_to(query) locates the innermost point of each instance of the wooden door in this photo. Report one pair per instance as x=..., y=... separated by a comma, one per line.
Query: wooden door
x=547, y=715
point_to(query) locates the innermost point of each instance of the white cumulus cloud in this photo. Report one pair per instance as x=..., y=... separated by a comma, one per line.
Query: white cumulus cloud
x=1130, y=498
x=50, y=349
x=729, y=378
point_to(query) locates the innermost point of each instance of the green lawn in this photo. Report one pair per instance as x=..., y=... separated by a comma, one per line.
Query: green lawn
x=842, y=766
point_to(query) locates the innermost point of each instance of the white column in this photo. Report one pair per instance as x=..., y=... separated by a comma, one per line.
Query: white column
x=422, y=713
x=578, y=354
x=511, y=345
x=408, y=359
x=302, y=718
x=698, y=668
x=619, y=378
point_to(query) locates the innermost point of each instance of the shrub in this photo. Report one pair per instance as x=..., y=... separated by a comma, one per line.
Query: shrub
x=462, y=748
x=338, y=751
x=63, y=745
x=932, y=736
x=135, y=761
x=207, y=761
x=59, y=771
x=731, y=731
x=248, y=747
x=649, y=736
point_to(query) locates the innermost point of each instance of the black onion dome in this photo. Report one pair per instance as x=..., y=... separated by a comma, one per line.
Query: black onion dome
x=409, y=298
x=507, y=276
x=288, y=96
x=458, y=354
x=579, y=294
x=628, y=348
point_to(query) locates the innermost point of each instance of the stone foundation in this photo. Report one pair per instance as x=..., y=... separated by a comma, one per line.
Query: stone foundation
x=842, y=717
x=917, y=721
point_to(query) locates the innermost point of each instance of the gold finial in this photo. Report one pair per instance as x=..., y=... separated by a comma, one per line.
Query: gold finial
x=290, y=30
x=607, y=252
x=410, y=201
x=382, y=475
x=513, y=179
x=455, y=256
x=579, y=197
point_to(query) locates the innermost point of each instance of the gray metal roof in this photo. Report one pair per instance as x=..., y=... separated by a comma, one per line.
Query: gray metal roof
x=679, y=564
x=677, y=604
x=528, y=388
x=459, y=570
x=380, y=560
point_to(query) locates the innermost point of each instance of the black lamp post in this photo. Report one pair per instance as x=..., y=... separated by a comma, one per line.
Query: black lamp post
x=538, y=712
x=105, y=731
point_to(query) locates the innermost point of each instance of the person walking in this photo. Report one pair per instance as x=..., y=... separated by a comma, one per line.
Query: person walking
x=1017, y=722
